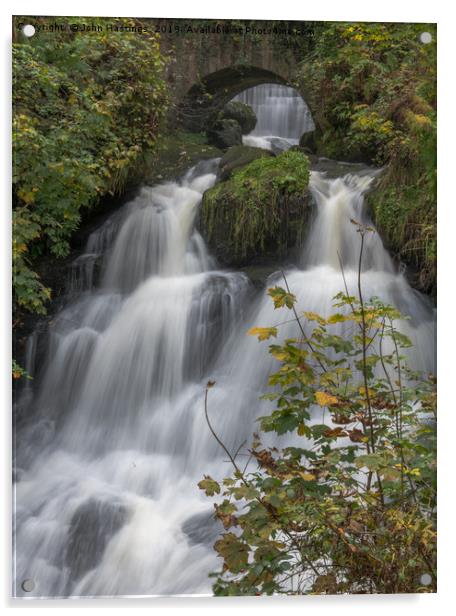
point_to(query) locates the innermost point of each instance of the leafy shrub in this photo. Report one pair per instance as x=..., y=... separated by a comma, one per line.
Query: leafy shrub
x=352, y=509
x=86, y=106
x=373, y=91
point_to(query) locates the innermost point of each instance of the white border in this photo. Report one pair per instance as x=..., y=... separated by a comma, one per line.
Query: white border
x=348, y=10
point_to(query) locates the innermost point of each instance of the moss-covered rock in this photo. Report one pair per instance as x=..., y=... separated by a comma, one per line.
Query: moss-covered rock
x=173, y=154
x=307, y=141
x=405, y=215
x=260, y=212
x=238, y=156
x=224, y=134
x=242, y=113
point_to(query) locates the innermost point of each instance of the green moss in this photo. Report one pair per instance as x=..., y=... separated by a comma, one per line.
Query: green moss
x=404, y=206
x=405, y=217
x=255, y=210
x=239, y=156
x=372, y=88
x=173, y=154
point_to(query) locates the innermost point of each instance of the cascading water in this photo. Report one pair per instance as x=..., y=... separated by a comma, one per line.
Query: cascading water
x=106, y=500
x=282, y=116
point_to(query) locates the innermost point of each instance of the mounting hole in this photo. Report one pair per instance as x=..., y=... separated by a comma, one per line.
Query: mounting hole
x=28, y=585
x=28, y=30
x=425, y=579
x=426, y=37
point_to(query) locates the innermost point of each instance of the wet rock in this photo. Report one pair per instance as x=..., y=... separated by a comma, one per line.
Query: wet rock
x=224, y=134
x=243, y=114
x=308, y=141
x=336, y=168
x=92, y=526
x=261, y=212
x=279, y=144
x=203, y=528
x=238, y=156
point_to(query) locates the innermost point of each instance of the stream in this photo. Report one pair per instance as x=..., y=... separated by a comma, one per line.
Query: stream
x=106, y=499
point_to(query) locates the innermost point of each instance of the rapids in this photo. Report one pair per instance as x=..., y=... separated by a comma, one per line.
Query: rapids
x=106, y=501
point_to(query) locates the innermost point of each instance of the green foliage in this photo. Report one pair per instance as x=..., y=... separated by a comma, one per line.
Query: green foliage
x=85, y=107
x=404, y=208
x=372, y=88
x=18, y=371
x=238, y=156
x=352, y=508
x=210, y=486
x=370, y=85
x=252, y=206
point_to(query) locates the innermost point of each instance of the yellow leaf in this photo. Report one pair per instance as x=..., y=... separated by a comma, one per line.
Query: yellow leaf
x=324, y=399
x=337, y=318
x=27, y=197
x=263, y=333
x=279, y=354
x=313, y=316
x=307, y=476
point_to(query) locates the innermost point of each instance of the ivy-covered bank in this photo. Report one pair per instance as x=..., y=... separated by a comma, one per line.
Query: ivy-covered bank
x=372, y=90
x=86, y=108
x=260, y=211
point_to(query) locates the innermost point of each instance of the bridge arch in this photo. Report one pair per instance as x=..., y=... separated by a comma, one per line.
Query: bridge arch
x=202, y=102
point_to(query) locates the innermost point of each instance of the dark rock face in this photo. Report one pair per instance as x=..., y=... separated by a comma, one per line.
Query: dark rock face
x=283, y=243
x=261, y=213
x=203, y=528
x=224, y=134
x=238, y=156
x=242, y=113
x=307, y=141
x=91, y=528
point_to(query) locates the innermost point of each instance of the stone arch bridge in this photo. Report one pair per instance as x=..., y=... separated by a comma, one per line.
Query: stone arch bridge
x=208, y=66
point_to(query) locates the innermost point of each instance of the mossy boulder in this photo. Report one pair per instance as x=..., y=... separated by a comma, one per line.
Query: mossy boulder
x=307, y=141
x=238, y=156
x=224, y=134
x=261, y=212
x=243, y=114
x=405, y=216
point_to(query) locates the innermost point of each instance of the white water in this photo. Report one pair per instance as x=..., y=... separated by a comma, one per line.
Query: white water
x=282, y=116
x=106, y=500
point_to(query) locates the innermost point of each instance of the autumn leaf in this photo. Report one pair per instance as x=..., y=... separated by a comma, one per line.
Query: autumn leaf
x=279, y=354
x=334, y=433
x=304, y=430
x=325, y=399
x=307, y=476
x=282, y=298
x=357, y=436
x=209, y=485
x=337, y=318
x=313, y=316
x=263, y=333
x=234, y=552
x=362, y=390
x=342, y=419
x=224, y=513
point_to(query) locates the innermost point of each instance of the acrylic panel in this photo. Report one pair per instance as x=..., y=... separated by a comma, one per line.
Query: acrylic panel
x=224, y=283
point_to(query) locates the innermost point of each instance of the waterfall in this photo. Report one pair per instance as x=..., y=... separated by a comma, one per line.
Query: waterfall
x=282, y=116
x=106, y=501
